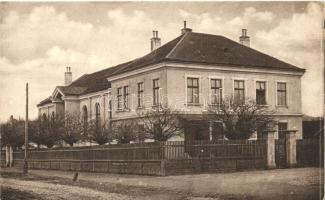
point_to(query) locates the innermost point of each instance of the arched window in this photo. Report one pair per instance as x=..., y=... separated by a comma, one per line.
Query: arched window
x=44, y=117
x=85, y=114
x=97, y=112
x=52, y=119
x=44, y=121
x=85, y=118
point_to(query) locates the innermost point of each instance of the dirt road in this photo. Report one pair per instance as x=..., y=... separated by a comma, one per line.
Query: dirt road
x=298, y=183
x=50, y=191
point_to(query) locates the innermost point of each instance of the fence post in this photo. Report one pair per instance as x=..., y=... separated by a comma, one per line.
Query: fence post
x=11, y=156
x=270, y=149
x=7, y=156
x=291, y=148
x=162, y=159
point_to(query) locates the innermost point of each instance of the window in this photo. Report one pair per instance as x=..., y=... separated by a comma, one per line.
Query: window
x=239, y=91
x=140, y=95
x=192, y=90
x=282, y=126
x=126, y=97
x=44, y=121
x=85, y=117
x=216, y=91
x=260, y=93
x=155, y=92
x=52, y=117
x=85, y=114
x=281, y=94
x=97, y=112
x=110, y=109
x=119, y=99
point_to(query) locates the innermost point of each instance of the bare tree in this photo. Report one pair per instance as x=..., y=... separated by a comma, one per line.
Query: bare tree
x=241, y=120
x=71, y=129
x=12, y=133
x=160, y=123
x=125, y=131
x=35, y=132
x=99, y=133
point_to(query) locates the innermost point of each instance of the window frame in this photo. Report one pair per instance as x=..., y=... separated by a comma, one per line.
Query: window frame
x=119, y=98
x=244, y=89
x=125, y=97
x=155, y=92
x=193, y=87
x=265, y=92
x=140, y=92
x=211, y=94
x=97, y=113
x=286, y=94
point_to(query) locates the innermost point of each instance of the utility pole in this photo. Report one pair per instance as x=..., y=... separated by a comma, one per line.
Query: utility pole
x=26, y=133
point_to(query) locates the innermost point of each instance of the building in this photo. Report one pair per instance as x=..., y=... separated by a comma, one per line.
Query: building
x=189, y=73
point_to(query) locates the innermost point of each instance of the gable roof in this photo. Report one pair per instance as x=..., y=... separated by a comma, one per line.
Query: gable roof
x=190, y=47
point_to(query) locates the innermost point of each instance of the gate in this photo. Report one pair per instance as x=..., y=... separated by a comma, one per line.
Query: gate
x=280, y=153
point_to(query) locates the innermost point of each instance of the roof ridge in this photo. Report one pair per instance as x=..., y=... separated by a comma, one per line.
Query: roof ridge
x=173, y=49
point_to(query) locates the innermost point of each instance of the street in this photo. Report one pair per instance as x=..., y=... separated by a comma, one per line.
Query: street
x=297, y=183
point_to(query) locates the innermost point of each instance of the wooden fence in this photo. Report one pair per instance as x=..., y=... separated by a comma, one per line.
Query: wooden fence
x=310, y=152
x=208, y=156
x=163, y=158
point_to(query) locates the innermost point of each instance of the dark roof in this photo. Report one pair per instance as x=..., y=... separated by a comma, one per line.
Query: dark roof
x=45, y=101
x=208, y=49
x=215, y=49
x=187, y=48
x=90, y=82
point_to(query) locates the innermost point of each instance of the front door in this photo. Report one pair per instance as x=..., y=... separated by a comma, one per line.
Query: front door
x=280, y=146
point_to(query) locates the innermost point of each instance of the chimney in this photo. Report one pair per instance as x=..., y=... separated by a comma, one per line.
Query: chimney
x=68, y=76
x=244, y=39
x=185, y=30
x=155, y=41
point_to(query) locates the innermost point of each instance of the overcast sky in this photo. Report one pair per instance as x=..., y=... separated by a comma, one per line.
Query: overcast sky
x=38, y=40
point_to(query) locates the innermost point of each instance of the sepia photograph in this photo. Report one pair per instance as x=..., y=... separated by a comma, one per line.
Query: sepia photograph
x=162, y=100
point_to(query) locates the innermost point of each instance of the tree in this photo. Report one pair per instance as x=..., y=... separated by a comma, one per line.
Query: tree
x=124, y=131
x=52, y=133
x=45, y=132
x=34, y=132
x=161, y=123
x=99, y=133
x=12, y=133
x=71, y=129
x=241, y=120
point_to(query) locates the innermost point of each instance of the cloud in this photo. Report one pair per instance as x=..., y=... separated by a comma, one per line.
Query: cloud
x=46, y=40
x=252, y=14
x=298, y=40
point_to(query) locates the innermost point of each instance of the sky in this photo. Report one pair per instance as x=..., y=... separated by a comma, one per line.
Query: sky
x=39, y=40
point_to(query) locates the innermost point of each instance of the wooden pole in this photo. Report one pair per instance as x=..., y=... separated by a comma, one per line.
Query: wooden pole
x=26, y=133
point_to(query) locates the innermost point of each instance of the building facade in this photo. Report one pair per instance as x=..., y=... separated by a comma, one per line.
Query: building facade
x=189, y=74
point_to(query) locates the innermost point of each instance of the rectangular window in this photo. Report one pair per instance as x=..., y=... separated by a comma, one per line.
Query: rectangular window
x=119, y=99
x=126, y=97
x=260, y=93
x=216, y=91
x=239, y=91
x=156, y=92
x=281, y=94
x=140, y=95
x=192, y=90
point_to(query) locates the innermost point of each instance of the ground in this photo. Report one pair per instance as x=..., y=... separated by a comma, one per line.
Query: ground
x=297, y=183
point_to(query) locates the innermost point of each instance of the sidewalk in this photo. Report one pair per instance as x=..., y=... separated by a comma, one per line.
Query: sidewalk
x=296, y=183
